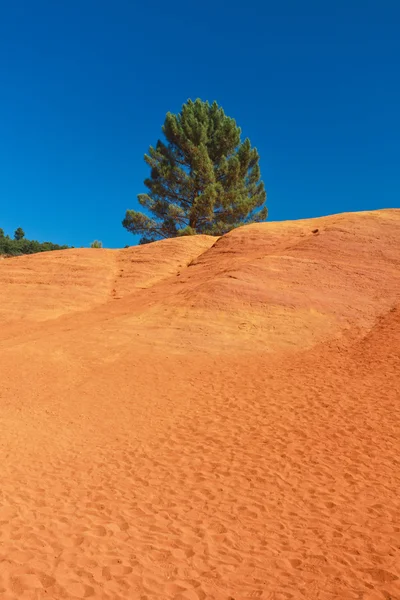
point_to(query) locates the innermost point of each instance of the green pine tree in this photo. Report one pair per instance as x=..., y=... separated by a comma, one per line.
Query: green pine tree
x=19, y=234
x=203, y=178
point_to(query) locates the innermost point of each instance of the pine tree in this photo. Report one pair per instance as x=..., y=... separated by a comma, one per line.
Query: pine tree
x=203, y=178
x=19, y=234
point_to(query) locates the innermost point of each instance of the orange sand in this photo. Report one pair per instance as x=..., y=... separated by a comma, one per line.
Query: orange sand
x=204, y=419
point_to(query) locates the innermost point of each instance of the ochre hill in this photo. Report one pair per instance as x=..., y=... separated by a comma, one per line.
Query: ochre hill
x=204, y=418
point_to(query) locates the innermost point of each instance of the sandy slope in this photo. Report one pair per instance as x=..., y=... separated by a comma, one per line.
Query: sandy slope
x=205, y=418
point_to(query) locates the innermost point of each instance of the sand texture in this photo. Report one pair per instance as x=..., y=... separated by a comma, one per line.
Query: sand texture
x=204, y=418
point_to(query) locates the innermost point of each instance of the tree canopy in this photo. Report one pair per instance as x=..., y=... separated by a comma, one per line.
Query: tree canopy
x=203, y=178
x=20, y=245
x=19, y=234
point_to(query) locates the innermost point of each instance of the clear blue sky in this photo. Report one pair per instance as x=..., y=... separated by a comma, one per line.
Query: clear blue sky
x=85, y=86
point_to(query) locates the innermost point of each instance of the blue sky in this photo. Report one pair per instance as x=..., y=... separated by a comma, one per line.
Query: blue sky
x=85, y=86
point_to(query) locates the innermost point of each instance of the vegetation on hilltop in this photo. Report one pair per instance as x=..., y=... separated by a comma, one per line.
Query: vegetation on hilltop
x=203, y=178
x=20, y=245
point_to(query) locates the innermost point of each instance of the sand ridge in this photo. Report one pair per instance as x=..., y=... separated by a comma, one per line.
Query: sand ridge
x=205, y=418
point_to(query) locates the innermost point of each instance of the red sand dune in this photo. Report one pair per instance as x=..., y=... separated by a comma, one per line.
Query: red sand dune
x=205, y=418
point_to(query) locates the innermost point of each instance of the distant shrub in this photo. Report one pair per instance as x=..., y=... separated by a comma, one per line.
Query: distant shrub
x=96, y=244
